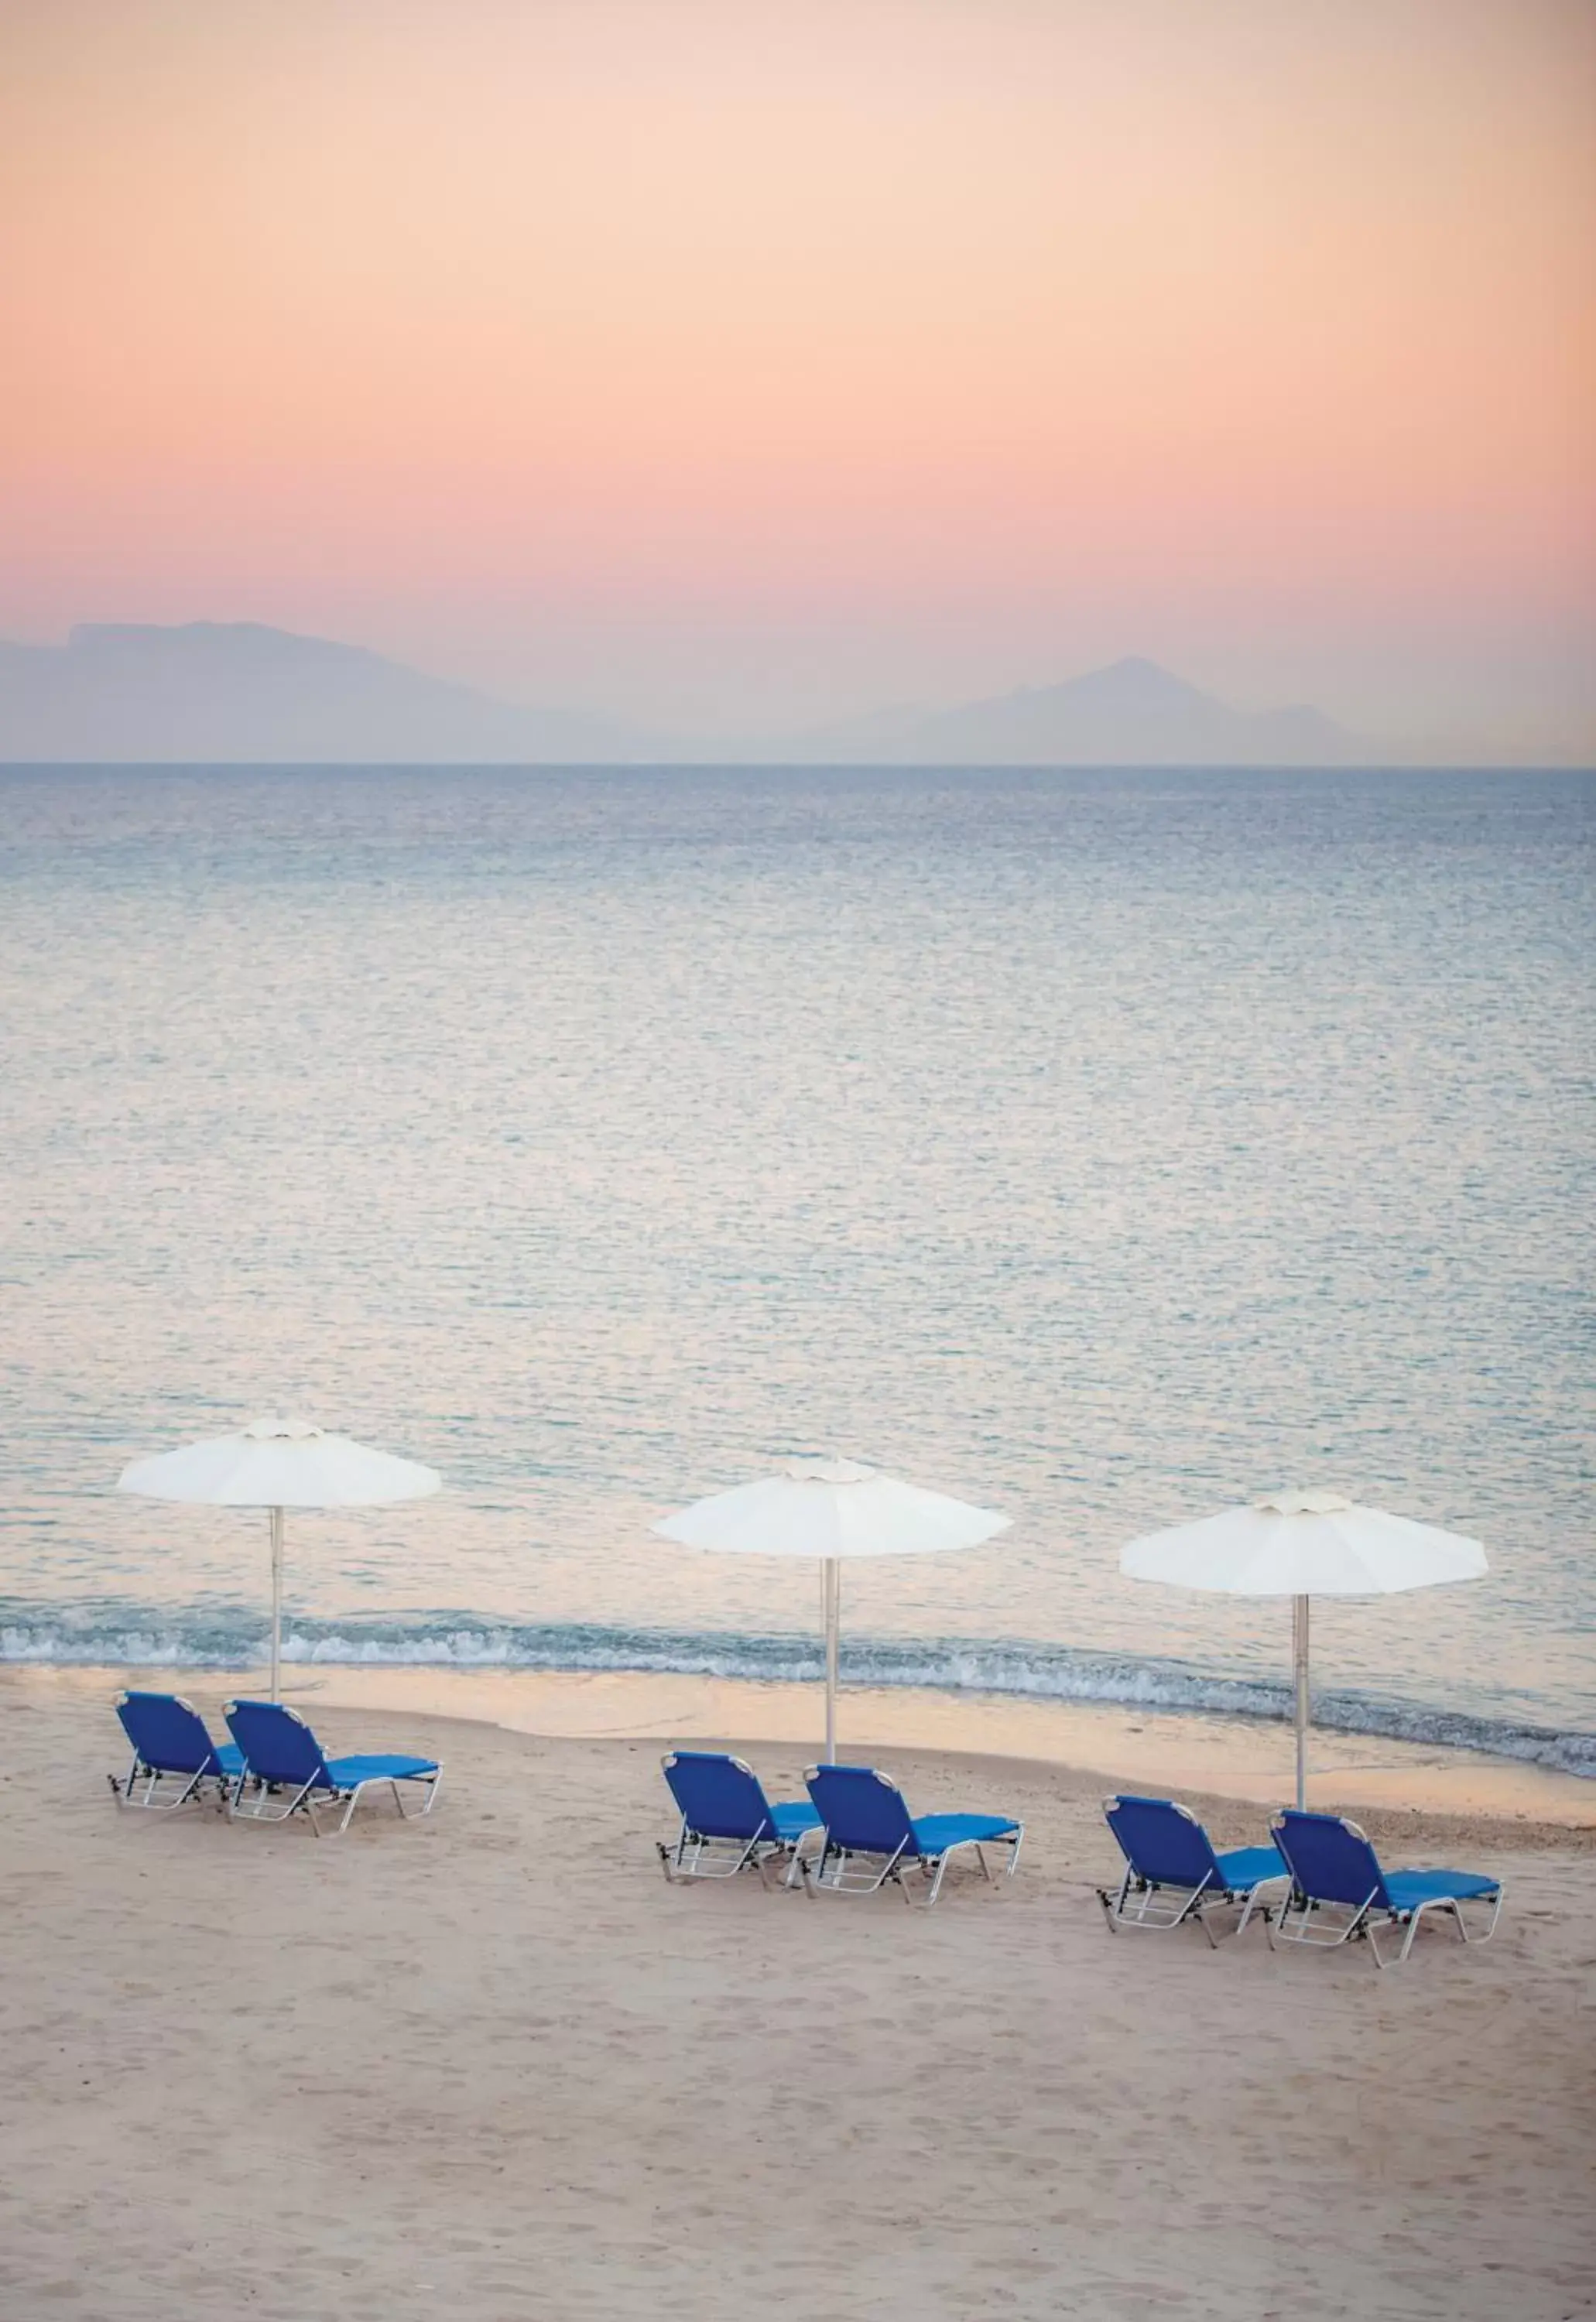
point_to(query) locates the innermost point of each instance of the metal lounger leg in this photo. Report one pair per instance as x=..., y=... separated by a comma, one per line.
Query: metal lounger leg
x=305, y=1797
x=1495, y=1916
x=1252, y=1903
x=1148, y=1911
x=946, y=1857
x=1463, y=1926
x=674, y=1860
x=797, y=1867
x=429, y=1781
x=1358, y=1925
x=1442, y=1903
x=258, y=1814
x=812, y=1879
x=151, y=1778
x=1112, y=1910
x=890, y=1869
x=1392, y=1920
x=354, y=1797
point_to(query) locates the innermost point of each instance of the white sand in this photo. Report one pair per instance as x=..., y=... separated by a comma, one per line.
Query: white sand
x=488, y=2065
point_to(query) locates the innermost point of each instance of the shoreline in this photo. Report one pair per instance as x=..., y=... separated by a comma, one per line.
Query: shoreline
x=1519, y=1727
x=1243, y=1761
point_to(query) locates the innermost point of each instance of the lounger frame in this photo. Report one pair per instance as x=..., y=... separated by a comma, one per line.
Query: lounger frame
x=122, y=1786
x=1325, y=1926
x=263, y=1807
x=699, y=1854
x=1160, y=1903
x=845, y=1871
x=320, y=1789
x=1138, y=1902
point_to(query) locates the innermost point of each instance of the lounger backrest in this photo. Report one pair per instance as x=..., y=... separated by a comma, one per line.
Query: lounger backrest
x=861, y=1810
x=168, y=1732
x=277, y=1744
x=1329, y=1858
x=1163, y=1841
x=718, y=1797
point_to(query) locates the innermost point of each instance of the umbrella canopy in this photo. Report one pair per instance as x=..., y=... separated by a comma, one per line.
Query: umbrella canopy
x=1301, y=1545
x=827, y=1510
x=277, y=1464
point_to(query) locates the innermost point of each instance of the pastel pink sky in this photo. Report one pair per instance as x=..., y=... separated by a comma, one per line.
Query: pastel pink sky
x=718, y=361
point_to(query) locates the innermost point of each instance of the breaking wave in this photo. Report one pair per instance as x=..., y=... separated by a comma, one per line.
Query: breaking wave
x=135, y=1637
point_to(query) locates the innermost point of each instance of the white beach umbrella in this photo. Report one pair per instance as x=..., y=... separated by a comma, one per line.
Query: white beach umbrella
x=278, y=1464
x=1301, y=1545
x=828, y=1510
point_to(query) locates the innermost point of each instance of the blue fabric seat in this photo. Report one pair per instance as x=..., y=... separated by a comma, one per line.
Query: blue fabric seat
x=346, y=1771
x=170, y=1740
x=1339, y=1891
x=1411, y=1889
x=1172, y=1871
x=870, y=1835
x=727, y=1822
x=934, y=1833
x=280, y=1753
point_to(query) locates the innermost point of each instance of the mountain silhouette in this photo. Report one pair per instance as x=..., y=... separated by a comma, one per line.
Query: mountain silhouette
x=237, y=692
x=1131, y=713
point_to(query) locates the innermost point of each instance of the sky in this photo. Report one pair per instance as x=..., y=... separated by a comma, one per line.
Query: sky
x=728, y=365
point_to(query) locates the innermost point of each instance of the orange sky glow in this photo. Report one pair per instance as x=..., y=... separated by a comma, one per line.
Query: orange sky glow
x=723, y=362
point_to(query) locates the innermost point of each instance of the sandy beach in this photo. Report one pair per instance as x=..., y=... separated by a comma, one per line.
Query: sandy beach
x=490, y=2064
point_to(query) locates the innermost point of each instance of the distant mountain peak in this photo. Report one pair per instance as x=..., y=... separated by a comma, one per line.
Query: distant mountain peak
x=1133, y=677
x=1129, y=712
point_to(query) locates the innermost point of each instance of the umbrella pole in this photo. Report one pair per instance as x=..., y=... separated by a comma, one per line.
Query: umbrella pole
x=1299, y=1670
x=277, y=1601
x=833, y=1572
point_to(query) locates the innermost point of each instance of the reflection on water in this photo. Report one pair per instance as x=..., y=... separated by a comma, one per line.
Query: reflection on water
x=1100, y=1147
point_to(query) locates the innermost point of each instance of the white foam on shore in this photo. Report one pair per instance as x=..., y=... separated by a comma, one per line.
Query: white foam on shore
x=68, y=1638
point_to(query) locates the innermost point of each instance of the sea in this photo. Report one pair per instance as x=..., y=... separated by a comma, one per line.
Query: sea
x=1104, y=1147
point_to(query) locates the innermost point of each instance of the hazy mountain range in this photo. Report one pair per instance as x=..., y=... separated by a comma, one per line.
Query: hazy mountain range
x=216, y=691
x=234, y=691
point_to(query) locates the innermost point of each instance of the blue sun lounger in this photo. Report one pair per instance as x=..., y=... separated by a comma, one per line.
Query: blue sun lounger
x=1339, y=1891
x=727, y=1822
x=870, y=1835
x=1172, y=1872
x=168, y=1737
x=280, y=1753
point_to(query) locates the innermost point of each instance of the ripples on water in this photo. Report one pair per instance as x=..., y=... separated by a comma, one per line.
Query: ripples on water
x=1101, y=1146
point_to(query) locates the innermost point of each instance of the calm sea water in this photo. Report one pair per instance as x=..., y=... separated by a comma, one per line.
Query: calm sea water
x=1101, y=1147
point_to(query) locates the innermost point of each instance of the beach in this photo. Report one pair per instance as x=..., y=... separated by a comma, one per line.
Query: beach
x=796, y=822
x=489, y=2063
